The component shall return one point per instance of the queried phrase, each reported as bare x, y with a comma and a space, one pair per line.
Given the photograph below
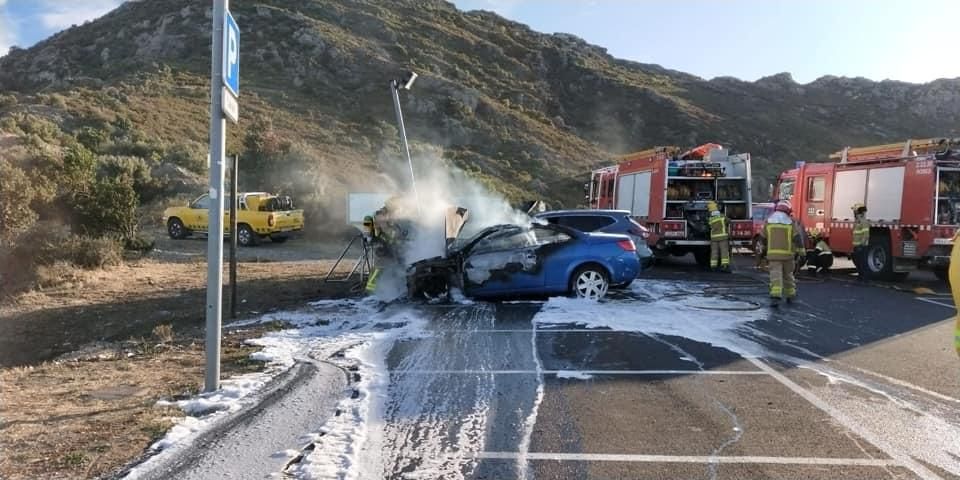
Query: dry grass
163, 333
82, 419
85, 419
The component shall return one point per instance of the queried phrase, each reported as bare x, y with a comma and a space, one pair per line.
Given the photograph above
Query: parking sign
231, 54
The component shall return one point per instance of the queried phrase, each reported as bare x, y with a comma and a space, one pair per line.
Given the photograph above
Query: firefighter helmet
815, 233
712, 206
784, 206
856, 207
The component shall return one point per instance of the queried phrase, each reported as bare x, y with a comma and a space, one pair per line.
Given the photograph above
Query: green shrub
78, 169
16, 196
190, 156
139, 243
8, 101
92, 138
108, 208
89, 252
45, 129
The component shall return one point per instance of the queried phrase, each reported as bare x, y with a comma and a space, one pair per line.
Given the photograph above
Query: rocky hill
523, 112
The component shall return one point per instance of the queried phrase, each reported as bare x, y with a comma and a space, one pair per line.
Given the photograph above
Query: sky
748, 39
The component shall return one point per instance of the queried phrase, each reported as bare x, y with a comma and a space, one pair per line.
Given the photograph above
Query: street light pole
395, 86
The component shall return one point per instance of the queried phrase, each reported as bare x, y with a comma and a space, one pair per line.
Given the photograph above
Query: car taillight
642, 233
271, 220
627, 245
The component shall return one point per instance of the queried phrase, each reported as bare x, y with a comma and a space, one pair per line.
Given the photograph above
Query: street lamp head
407, 81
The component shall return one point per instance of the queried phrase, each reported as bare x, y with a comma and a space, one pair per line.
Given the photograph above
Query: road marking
897, 381
587, 372
610, 457
539, 330
950, 306
902, 459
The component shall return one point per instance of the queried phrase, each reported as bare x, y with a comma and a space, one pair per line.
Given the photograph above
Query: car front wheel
590, 282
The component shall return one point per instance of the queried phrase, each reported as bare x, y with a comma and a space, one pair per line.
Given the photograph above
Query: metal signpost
234, 200
224, 74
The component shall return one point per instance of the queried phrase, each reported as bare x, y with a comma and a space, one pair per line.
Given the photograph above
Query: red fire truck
912, 193
667, 190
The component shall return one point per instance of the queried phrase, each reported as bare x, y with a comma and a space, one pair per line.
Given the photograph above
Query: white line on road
587, 372
540, 330
950, 306
610, 457
902, 459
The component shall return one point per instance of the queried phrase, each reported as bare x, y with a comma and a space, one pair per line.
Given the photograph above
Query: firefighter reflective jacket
782, 236
719, 228
954, 274
822, 248
861, 232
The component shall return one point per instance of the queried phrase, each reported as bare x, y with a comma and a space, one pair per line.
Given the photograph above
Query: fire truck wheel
879, 259
942, 275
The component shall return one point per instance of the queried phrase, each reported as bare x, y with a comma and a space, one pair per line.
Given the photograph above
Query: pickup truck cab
259, 215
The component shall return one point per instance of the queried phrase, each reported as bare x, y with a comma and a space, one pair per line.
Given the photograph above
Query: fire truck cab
912, 193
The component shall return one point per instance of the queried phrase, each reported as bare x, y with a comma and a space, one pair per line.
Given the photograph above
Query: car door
503, 263
197, 217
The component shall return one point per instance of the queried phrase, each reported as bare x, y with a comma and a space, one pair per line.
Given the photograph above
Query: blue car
512, 260
605, 221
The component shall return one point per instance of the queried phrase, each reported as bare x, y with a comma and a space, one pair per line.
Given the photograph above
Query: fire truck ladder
895, 150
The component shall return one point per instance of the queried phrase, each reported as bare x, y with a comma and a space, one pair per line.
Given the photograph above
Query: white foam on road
574, 374
674, 309
280, 349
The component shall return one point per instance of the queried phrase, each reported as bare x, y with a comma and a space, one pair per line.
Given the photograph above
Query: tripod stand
362, 266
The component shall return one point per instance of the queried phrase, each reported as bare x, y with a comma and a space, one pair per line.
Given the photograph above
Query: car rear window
585, 223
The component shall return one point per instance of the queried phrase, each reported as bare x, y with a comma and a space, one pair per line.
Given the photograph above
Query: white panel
625, 192
884, 193
850, 187
641, 194
362, 204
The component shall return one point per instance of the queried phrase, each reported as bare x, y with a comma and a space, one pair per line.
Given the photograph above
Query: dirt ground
83, 364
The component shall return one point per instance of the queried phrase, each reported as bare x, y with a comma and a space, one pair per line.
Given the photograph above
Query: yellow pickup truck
259, 215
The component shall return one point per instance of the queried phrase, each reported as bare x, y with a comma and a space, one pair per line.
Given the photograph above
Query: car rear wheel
590, 281
175, 229
246, 236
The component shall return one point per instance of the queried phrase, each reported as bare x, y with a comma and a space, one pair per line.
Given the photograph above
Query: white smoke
439, 187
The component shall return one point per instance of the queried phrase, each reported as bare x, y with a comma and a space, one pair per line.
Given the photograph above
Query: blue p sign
231, 54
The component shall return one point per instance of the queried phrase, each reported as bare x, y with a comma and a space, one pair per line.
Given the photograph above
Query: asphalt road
687, 374
853, 381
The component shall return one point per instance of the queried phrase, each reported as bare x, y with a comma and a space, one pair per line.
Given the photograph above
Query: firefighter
954, 275
719, 239
384, 231
782, 240
861, 239
820, 259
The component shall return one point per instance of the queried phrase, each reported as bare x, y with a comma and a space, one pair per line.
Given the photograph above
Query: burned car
514, 260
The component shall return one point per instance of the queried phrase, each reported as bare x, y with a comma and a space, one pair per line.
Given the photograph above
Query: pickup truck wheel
246, 236
176, 230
